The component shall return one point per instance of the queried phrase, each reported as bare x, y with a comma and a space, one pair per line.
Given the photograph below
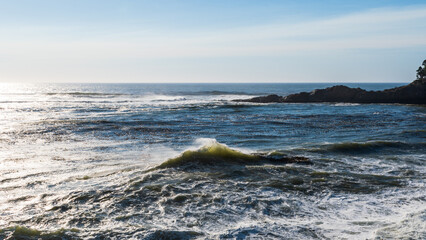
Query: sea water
180, 161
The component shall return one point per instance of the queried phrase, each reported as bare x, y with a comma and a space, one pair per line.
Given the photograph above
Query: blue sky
211, 41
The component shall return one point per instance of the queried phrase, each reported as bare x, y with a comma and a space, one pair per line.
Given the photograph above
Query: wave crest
215, 153
21, 232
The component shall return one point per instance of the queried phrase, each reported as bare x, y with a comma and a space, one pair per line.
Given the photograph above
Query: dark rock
282, 159
333, 94
263, 99
293, 159
413, 93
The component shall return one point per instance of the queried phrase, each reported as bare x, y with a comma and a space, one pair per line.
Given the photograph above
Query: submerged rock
413, 93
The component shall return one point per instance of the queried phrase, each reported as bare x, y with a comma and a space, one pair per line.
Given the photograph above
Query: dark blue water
81, 161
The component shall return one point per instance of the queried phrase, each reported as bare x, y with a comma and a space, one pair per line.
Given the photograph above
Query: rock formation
413, 93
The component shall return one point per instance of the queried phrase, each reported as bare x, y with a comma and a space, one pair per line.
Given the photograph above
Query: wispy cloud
374, 29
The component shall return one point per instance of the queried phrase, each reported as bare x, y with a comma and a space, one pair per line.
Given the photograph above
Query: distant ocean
177, 161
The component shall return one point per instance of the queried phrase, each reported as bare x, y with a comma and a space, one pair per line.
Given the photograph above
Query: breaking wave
215, 153
213, 93
84, 94
21, 232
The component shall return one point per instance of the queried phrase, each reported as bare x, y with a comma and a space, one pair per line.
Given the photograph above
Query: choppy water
180, 161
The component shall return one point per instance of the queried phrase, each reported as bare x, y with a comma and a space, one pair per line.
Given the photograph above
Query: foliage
421, 71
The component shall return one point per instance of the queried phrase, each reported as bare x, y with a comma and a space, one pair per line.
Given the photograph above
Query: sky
164, 41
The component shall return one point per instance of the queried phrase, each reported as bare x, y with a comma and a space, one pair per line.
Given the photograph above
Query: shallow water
150, 161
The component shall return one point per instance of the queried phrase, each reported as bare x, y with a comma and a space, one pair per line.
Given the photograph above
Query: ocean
183, 161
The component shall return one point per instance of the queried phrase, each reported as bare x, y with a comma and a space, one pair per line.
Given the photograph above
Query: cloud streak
374, 29
375, 45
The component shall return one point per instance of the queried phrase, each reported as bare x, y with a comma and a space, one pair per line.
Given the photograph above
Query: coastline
413, 93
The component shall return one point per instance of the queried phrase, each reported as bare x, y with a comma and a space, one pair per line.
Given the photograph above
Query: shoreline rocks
413, 93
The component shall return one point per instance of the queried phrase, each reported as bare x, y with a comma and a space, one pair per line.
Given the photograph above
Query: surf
215, 153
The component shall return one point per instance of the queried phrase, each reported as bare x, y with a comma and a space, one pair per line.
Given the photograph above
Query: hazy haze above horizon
211, 41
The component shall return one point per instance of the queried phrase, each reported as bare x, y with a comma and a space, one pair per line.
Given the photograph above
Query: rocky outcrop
263, 99
413, 93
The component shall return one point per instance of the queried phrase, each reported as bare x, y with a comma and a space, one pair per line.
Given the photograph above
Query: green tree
421, 72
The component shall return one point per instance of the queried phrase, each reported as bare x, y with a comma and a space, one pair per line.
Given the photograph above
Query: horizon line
24, 82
